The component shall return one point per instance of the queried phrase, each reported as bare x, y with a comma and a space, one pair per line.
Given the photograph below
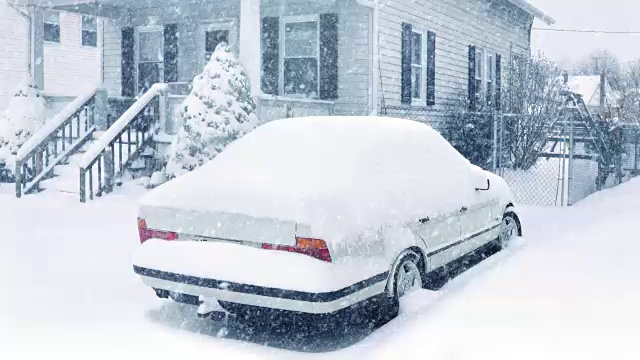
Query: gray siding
15, 55
495, 26
354, 60
354, 41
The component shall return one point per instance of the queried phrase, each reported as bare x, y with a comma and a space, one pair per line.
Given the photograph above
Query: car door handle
464, 209
424, 220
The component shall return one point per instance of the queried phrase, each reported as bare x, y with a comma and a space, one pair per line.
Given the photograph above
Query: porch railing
54, 142
120, 145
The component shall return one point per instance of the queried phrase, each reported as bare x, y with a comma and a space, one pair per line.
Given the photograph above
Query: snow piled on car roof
328, 173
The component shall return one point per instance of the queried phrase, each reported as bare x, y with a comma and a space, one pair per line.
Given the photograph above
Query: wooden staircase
70, 155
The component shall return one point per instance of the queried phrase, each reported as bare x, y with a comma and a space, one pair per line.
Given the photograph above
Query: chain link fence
547, 161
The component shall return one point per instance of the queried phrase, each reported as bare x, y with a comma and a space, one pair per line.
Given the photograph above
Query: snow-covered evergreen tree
25, 114
219, 110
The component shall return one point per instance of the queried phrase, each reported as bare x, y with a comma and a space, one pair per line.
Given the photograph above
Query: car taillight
315, 248
146, 233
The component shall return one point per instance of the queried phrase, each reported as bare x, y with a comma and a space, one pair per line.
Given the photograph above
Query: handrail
55, 124
116, 129
141, 118
38, 156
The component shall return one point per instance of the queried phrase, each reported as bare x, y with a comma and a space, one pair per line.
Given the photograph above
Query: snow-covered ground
569, 289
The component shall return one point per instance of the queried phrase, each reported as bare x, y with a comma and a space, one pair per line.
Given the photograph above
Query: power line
590, 31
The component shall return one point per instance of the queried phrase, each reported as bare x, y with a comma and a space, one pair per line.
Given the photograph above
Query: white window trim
423, 66
44, 21
145, 29
284, 20
229, 24
82, 30
482, 74
490, 72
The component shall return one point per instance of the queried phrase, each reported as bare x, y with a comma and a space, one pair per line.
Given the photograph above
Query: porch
152, 50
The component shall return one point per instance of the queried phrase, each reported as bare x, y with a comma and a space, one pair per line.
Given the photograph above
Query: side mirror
487, 188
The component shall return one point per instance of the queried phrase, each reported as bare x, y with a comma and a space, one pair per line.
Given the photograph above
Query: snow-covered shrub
471, 133
219, 110
535, 93
25, 114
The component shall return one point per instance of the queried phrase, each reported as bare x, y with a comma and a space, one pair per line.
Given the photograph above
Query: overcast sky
611, 15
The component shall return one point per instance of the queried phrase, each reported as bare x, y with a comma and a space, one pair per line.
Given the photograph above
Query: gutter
532, 10
375, 68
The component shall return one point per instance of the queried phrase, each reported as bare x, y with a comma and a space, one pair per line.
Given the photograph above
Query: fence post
563, 151
495, 142
635, 154
571, 153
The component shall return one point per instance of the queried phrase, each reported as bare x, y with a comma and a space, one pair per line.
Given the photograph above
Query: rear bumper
233, 294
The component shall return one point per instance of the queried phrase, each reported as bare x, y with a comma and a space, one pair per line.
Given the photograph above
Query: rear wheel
407, 277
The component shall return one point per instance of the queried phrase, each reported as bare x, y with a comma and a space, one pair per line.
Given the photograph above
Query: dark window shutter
472, 78
171, 53
270, 55
431, 68
498, 98
328, 56
406, 63
128, 63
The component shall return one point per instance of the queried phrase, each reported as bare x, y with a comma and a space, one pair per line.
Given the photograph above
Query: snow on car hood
337, 175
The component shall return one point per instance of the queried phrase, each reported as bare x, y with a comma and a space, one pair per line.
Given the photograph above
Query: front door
476, 221
440, 234
213, 38
150, 58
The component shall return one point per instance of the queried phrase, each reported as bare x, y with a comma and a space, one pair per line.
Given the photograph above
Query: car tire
407, 275
509, 229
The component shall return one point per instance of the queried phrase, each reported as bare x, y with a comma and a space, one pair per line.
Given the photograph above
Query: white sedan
317, 216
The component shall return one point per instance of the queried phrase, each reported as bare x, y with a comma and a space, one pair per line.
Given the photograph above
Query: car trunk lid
212, 225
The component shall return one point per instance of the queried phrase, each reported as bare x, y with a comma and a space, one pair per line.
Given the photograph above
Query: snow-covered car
318, 216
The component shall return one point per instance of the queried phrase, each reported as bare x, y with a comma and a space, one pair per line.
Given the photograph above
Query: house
324, 56
321, 57
71, 51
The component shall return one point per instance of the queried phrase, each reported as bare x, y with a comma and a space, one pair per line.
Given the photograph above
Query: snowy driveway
569, 289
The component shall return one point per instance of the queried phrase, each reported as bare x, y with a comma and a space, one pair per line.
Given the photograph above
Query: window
301, 63
490, 79
52, 26
89, 31
150, 58
213, 38
417, 64
479, 73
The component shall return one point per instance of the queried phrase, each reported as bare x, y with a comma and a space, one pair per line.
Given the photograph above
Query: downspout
531, 34
375, 65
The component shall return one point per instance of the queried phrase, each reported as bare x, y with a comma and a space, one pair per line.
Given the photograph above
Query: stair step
164, 138
138, 164
148, 152
66, 171
61, 183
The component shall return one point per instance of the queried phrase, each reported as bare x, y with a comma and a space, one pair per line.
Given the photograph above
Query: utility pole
603, 91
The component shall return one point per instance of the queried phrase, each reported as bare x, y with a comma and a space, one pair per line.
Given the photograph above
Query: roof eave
537, 13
